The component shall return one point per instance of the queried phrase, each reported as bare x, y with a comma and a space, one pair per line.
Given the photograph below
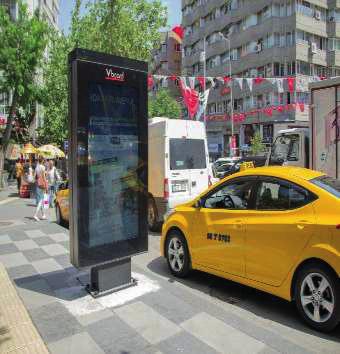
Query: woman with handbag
41, 190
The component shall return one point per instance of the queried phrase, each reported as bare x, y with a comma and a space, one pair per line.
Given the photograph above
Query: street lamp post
231, 94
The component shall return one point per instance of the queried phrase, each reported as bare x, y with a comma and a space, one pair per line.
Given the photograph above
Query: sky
66, 6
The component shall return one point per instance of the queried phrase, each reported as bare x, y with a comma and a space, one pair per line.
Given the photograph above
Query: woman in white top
52, 179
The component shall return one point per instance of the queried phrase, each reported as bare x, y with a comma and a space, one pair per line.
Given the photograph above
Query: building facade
166, 60
262, 38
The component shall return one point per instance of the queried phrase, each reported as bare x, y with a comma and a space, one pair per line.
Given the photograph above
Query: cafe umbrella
50, 151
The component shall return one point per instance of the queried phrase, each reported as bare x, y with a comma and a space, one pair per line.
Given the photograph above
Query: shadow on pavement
67, 284
259, 303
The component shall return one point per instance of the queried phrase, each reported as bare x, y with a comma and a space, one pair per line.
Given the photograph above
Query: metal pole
204, 82
231, 94
231, 99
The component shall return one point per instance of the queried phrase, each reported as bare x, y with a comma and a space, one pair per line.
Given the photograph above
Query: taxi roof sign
247, 165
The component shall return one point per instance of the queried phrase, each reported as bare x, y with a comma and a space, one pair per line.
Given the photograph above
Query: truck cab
291, 148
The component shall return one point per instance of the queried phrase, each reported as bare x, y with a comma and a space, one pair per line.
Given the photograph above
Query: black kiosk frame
107, 166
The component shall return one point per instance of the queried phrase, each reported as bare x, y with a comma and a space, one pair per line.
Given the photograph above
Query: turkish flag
191, 99
291, 82
179, 31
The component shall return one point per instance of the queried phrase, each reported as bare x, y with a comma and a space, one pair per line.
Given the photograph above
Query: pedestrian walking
52, 179
42, 188
19, 172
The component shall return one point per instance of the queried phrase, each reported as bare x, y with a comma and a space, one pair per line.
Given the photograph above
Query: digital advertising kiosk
107, 166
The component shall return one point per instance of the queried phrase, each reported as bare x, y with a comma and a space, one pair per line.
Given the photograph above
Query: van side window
187, 154
235, 195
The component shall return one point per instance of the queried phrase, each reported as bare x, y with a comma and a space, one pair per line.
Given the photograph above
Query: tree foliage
256, 144
127, 28
163, 105
23, 42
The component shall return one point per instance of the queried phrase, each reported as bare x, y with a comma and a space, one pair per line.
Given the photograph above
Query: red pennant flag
150, 82
291, 82
258, 80
280, 109
242, 117
173, 77
201, 80
227, 79
301, 106
269, 111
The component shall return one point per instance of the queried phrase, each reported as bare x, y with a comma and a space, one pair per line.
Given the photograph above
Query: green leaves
256, 144
23, 42
121, 27
163, 105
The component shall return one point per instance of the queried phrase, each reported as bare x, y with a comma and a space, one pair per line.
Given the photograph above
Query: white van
178, 165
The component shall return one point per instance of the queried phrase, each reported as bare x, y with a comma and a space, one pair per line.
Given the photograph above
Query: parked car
273, 228
62, 204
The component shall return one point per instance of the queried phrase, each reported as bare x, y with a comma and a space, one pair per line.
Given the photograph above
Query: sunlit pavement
201, 314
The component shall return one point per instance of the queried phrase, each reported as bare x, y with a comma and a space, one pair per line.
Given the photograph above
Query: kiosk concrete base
110, 277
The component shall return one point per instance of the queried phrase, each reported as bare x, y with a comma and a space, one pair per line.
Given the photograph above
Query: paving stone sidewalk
160, 315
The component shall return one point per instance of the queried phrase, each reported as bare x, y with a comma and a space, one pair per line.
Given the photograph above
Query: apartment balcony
333, 58
310, 24
333, 29
303, 53
333, 4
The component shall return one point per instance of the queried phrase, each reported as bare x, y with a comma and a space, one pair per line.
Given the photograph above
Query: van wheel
177, 254
317, 295
152, 215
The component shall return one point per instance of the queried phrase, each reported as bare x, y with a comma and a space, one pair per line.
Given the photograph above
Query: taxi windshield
329, 184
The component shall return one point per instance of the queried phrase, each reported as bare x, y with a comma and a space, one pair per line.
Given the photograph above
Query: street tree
257, 145
126, 28
23, 41
163, 105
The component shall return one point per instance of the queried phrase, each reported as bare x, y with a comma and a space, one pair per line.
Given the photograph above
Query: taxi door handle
302, 224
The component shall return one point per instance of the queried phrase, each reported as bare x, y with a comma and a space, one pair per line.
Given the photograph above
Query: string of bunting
196, 101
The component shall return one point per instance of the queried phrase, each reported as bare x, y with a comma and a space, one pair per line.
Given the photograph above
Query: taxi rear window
329, 184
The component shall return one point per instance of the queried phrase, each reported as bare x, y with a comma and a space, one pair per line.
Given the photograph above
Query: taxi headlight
169, 213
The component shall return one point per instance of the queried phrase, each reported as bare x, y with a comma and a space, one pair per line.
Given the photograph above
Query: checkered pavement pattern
165, 320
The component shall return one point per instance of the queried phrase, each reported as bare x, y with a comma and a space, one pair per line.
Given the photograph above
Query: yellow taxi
62, 205
276, 229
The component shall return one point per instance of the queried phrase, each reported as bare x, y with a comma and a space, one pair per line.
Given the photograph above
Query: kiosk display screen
113, 162
107, 158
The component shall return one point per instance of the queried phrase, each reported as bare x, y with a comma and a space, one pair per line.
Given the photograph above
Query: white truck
178, 165
316, 147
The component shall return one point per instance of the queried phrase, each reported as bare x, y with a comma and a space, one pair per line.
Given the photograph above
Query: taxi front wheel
177, 254
317, 295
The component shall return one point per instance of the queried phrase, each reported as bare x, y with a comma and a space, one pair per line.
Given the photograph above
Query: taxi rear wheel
59, 218
317, 295
153, 223
177, 254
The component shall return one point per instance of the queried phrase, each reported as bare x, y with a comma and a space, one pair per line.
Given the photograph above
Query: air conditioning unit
314, 48
253, 73
317, 15
258, 48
